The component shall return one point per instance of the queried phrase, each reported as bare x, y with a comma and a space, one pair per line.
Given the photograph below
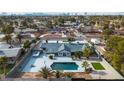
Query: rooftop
5, 50
56, 47
4, 45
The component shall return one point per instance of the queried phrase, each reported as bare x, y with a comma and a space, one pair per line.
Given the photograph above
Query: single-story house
62, 49
26, 30
69, 23
9, 52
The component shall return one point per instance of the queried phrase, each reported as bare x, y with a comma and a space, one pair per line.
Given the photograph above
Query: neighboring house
27, 30
90, 29
80, 25
69, 23
95, 41
9, 52
62, 49
87, 29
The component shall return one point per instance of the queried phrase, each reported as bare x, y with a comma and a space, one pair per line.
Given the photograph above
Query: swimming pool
64, 66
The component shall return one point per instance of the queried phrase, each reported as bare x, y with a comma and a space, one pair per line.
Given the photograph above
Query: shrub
51, 56
69, 75
71, 39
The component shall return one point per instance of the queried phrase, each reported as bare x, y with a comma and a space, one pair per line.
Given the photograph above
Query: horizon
62, 13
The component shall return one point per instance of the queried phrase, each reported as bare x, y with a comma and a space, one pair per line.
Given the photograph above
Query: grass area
98, 66
8, 68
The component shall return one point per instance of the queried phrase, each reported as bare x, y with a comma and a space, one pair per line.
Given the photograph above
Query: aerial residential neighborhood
61, 47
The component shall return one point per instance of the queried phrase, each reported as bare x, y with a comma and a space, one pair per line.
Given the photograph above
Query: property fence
19, 65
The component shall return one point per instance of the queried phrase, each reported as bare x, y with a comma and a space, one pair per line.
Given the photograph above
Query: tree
70, 39
116, 61
87, 52
51, 56
85, 65
16, 23
24, 23
58, 74
122, 23
69, 75
72, 19
107, 33
117, 26
106, 24
120, 48
49, 24
3, 61
19, 37
78, 54
8, 38
112, 43
122, 69
108, 55
26, 44
7, 29
92, 23
61, 21
115, 52
45, 72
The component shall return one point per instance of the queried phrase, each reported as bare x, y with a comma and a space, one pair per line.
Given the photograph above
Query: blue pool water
64, 66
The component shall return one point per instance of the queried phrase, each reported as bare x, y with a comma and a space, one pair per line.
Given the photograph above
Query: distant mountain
58, 13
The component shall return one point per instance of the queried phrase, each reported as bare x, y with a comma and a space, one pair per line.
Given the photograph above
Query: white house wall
61, 53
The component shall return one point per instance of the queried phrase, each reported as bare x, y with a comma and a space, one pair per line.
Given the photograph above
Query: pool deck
36, 63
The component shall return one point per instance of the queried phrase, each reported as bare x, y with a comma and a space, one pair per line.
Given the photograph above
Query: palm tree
19, 37
58, 74
85, 65
87, 52
8, 38
45, 72
69, 75
26, 44
3, 61
7, 29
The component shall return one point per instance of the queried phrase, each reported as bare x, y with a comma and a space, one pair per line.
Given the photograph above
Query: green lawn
98, 66
8, 68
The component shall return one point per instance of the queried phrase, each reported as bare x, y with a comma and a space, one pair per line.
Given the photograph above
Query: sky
61, 6
63, 13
